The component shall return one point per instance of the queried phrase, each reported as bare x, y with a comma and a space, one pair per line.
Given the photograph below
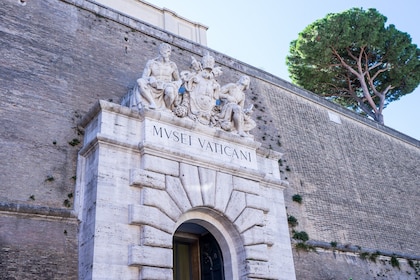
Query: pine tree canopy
355, 60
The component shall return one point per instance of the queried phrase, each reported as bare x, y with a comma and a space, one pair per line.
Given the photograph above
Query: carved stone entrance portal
143, 177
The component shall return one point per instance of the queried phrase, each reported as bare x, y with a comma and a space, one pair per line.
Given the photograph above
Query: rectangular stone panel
254, 235
257, 202
107, 271
150, 256
151, 236
147, 215
246, 185
257, 252
153, 273
259, 270
160, 165
141, 177
199, 145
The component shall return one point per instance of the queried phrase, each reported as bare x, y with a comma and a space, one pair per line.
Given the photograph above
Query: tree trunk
379, 117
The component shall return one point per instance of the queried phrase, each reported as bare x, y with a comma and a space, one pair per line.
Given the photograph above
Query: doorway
197, 255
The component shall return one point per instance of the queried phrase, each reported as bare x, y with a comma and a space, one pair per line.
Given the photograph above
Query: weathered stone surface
208, 185
254, 235
150, 256
154, 273
257, 252
259, 270
177, 192
244, 185
257, 202
160, 165
236, 205
346, 192
161, 200
147, 215
42, 248
250, 217
190, 180
154, 237
223, 190
140, 177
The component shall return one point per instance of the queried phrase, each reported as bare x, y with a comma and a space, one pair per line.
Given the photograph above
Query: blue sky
259, 33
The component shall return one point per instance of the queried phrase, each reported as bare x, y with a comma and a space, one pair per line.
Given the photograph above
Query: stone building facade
74, 187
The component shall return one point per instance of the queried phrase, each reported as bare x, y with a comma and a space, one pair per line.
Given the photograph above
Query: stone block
246, 185
259, 270
223, 190
107, 271
257, 252
112, 254
254, 235
257, 202
155, 273
237, 204
250, 217
160, 165
141, 177
150, 256
120, 127
154, 237
116, 233
191, 183
208, 185
161, 200
152, 216
176, 191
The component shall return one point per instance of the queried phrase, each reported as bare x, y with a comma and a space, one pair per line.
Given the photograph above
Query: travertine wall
359, 181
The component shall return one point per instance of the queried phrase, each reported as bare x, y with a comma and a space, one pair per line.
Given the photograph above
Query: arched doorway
196, 255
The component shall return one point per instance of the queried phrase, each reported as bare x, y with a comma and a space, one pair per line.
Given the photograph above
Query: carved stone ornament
193, 93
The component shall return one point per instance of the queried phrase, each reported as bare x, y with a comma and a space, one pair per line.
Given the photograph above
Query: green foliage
292, 221
74, 142
395, 262
364, 255
67, 203
351, 58
333, 244
302, 246
297, 198
374, 256
300, 235
411, 263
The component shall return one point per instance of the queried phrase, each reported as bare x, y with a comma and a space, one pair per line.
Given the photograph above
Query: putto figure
158, 87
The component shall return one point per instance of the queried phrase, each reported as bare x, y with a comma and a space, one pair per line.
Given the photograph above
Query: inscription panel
199, 145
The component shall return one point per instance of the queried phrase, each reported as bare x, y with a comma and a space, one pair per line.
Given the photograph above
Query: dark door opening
197, 255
